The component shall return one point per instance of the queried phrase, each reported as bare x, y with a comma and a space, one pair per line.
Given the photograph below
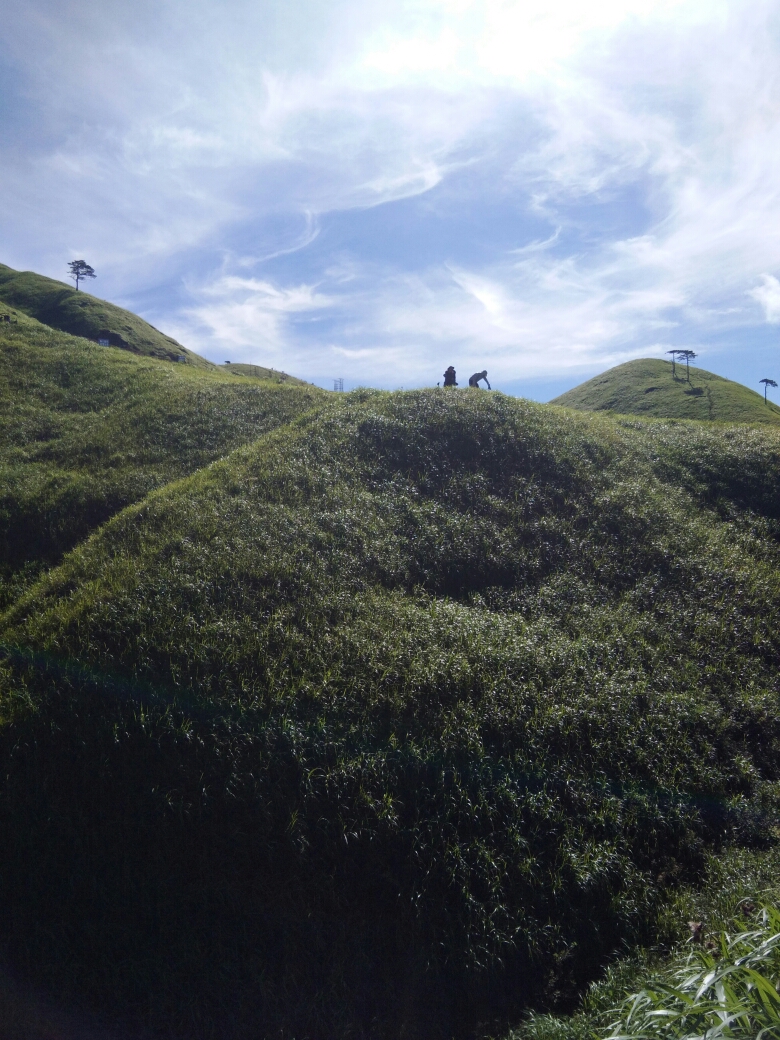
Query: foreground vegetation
657, 388
724, 911
726, 991
84, 431
405, 719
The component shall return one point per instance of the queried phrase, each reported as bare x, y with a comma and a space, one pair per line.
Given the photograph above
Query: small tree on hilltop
80, 269
767, 383
689, 356
674, 354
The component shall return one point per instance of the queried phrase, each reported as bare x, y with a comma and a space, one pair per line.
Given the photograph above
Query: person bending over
474, 380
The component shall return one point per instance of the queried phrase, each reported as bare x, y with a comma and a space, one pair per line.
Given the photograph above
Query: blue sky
376, 191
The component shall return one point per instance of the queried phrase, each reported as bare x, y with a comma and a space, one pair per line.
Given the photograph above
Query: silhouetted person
474, 380
449, 377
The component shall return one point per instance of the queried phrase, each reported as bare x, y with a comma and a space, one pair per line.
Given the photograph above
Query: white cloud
768, 295
634, 144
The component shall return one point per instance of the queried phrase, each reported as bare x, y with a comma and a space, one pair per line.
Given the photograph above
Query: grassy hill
403, 719
62, 307
84, 431
649, 388
270, 375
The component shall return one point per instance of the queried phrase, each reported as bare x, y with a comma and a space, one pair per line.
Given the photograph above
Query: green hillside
84, 431
270, 375
62, 307
648, 387
397, 722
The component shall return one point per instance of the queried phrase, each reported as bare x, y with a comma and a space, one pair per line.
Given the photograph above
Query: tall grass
728, 991
408, 717
86, 430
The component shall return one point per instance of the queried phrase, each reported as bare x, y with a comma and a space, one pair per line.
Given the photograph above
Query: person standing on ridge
449, 377
474, 380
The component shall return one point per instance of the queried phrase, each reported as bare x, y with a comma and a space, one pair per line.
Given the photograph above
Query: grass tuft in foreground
728, 991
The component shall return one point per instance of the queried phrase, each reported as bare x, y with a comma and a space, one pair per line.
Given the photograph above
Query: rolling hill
62, 307
270, 375
649, 388
84, 431
399, 721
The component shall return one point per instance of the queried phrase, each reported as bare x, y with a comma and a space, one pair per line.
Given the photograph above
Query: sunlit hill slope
85, 430
650, 387
62, 307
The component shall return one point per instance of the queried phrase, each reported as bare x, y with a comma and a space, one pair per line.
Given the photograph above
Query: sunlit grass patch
726, 990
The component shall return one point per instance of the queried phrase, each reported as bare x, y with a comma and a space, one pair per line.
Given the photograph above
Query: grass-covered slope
62, 307
270, 375
398, 721
649, 388
84, 431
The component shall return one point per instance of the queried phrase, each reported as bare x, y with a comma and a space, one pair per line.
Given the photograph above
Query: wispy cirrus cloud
538, 187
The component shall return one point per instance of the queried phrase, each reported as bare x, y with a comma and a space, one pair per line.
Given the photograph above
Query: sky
375, 191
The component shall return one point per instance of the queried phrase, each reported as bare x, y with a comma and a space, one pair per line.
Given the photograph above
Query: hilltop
84, 431
270, 375
649, 388
405, 718
62, 307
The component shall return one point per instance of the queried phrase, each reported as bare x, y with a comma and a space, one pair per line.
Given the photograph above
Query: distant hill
62, 307
270, 375
84, 431
648, 387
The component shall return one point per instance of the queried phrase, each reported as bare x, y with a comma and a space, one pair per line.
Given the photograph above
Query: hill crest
653, 388
67, 309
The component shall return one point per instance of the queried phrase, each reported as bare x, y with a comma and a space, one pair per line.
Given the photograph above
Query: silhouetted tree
767, 383
688, 356
80, 269
674, 354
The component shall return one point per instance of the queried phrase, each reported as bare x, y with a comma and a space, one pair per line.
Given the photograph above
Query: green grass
62, 307
409, 717
649, 388
84, 431
723, 989
737, 882
728, 991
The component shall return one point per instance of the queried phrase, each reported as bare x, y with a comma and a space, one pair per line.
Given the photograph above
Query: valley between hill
85, 430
